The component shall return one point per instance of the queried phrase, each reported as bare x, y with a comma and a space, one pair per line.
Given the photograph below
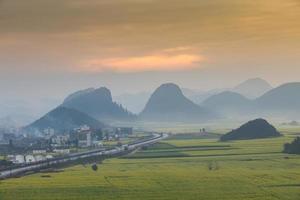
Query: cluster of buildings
84, 136
30, 158
28, 148
111, 134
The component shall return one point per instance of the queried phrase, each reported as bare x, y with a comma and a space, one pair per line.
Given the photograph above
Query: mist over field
50, 49
149, 99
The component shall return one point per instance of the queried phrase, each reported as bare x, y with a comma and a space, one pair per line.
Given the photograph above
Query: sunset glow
193, 42
150, 99
145, 63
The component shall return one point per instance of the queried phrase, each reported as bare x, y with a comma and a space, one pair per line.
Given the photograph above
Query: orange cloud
178, 49
145, 63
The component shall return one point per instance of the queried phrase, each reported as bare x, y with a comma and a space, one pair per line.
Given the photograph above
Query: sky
50, 48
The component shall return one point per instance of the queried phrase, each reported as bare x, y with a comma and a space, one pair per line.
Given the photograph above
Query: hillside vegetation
255, 129
180, 169
61, 119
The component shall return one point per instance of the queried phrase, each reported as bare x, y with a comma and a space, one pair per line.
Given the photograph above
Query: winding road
76, 156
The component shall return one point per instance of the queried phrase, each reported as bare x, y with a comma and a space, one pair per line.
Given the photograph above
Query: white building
41, 151
11, 158
16, 159
89, 139
62, 151
60, 140
97, 143
39, 158
49, 156
29, 159
85, 138
19, 159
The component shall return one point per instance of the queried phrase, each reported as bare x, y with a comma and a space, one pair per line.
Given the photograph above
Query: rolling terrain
281, 102
61, 119
177, 168
252, 88
99, 104
168, 103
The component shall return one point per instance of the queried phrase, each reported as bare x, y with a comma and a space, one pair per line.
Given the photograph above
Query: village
24, 148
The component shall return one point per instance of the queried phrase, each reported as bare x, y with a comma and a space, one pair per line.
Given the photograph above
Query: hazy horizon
149, 99
51, 48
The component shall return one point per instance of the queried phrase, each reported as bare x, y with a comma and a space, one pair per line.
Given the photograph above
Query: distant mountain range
98, 103
253, 88
282, 101
283, 98
84, 107
250, 89
228, 103
63, 119
198, 96
168, 103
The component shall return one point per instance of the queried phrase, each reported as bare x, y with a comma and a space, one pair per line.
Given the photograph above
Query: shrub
292, 148
94, 167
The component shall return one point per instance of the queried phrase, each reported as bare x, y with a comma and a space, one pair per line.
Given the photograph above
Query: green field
177, 168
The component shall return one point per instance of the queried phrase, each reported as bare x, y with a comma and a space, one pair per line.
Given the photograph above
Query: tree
99, 134
293, 147
94, 167
11, 145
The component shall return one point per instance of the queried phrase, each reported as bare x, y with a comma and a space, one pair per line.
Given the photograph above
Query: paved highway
72, 157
